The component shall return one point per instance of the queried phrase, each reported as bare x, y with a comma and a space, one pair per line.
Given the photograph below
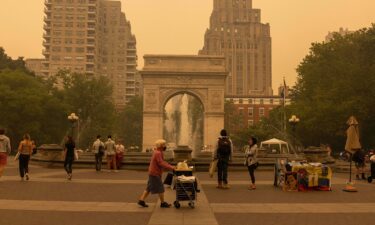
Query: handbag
212, 169
168, 179
17, 156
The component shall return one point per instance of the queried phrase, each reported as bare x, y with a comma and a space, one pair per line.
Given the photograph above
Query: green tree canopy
28, 107
130, 123
336, 80
90, 98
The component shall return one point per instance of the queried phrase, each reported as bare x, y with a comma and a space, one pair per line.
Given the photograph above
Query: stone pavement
103, 198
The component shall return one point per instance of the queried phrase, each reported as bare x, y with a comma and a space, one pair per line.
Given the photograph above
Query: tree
90, 98
7, 62
27, 107
336, 80
130, 122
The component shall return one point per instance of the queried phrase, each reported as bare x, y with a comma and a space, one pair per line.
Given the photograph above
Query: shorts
155, 185
3, 158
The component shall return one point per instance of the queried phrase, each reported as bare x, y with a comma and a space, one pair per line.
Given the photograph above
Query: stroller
372, 170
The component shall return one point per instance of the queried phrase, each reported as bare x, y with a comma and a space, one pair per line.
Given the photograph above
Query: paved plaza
109, 198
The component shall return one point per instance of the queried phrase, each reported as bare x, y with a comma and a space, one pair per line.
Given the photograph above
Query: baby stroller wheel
176, 204
191, 204
369, 179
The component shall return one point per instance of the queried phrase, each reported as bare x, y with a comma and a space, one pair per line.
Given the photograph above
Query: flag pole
284, 98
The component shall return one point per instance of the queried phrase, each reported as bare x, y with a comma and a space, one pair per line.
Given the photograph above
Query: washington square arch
166, 76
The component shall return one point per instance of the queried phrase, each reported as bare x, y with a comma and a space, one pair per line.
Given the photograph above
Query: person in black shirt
69, 156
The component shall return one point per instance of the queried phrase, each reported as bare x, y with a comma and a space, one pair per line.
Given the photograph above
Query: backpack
224, 147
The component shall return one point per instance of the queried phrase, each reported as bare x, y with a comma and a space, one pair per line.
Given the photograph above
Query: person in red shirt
155, 171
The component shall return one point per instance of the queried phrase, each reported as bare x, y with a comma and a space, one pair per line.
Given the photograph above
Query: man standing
155, 171
223, 153
4, 150
110, 151
98, 148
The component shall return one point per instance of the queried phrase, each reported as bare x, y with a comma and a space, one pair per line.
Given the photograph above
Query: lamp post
293, 120
73, 118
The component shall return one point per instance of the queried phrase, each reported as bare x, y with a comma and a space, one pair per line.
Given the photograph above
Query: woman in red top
155, 171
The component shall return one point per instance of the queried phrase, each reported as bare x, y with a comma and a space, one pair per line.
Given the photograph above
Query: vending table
307, 176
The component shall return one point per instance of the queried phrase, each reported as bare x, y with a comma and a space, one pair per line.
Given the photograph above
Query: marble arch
167, 75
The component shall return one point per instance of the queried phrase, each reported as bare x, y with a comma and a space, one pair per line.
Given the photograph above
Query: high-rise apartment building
91, 37
237, 33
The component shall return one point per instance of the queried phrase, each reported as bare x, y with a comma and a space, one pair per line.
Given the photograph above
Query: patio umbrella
352, 136
352, 145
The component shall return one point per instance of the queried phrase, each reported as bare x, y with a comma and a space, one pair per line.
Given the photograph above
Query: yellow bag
212, 169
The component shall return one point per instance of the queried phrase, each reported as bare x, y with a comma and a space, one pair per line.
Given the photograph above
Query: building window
240, 111
80, 50
250, 111
56, 41
240, 101
261, 112
56, 49
261, 101
250, 123
80, 41
68, 41
68, 49
250, 101
271, 101
68, 33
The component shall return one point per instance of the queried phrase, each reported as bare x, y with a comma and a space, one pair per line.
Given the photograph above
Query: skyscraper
91, 37
237, 33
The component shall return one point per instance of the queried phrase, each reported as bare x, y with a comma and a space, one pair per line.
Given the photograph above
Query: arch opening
183, 121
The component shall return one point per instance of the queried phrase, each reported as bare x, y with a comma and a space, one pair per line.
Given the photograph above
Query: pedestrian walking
110, 151
251, 161
5, 150
69, 156
120, 149
223, 155
25, 149
155, 171
98, 148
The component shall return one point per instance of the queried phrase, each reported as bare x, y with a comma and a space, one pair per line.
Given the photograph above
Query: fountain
183, 125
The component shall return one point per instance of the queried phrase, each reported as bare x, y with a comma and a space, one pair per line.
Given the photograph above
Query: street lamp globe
73, 117
293, 119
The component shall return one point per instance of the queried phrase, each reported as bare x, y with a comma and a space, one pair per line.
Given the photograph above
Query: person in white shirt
98, 148
110, 151
251, 161
5, 149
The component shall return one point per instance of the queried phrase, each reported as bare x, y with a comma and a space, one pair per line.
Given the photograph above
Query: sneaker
165, 205
27, 177
142, 203
70, 176
226, 186
219, 186
22, 179
116, 171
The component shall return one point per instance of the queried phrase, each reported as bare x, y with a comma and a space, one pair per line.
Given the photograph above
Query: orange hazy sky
178, 26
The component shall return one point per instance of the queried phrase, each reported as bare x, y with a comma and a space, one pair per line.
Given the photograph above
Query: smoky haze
178, 26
